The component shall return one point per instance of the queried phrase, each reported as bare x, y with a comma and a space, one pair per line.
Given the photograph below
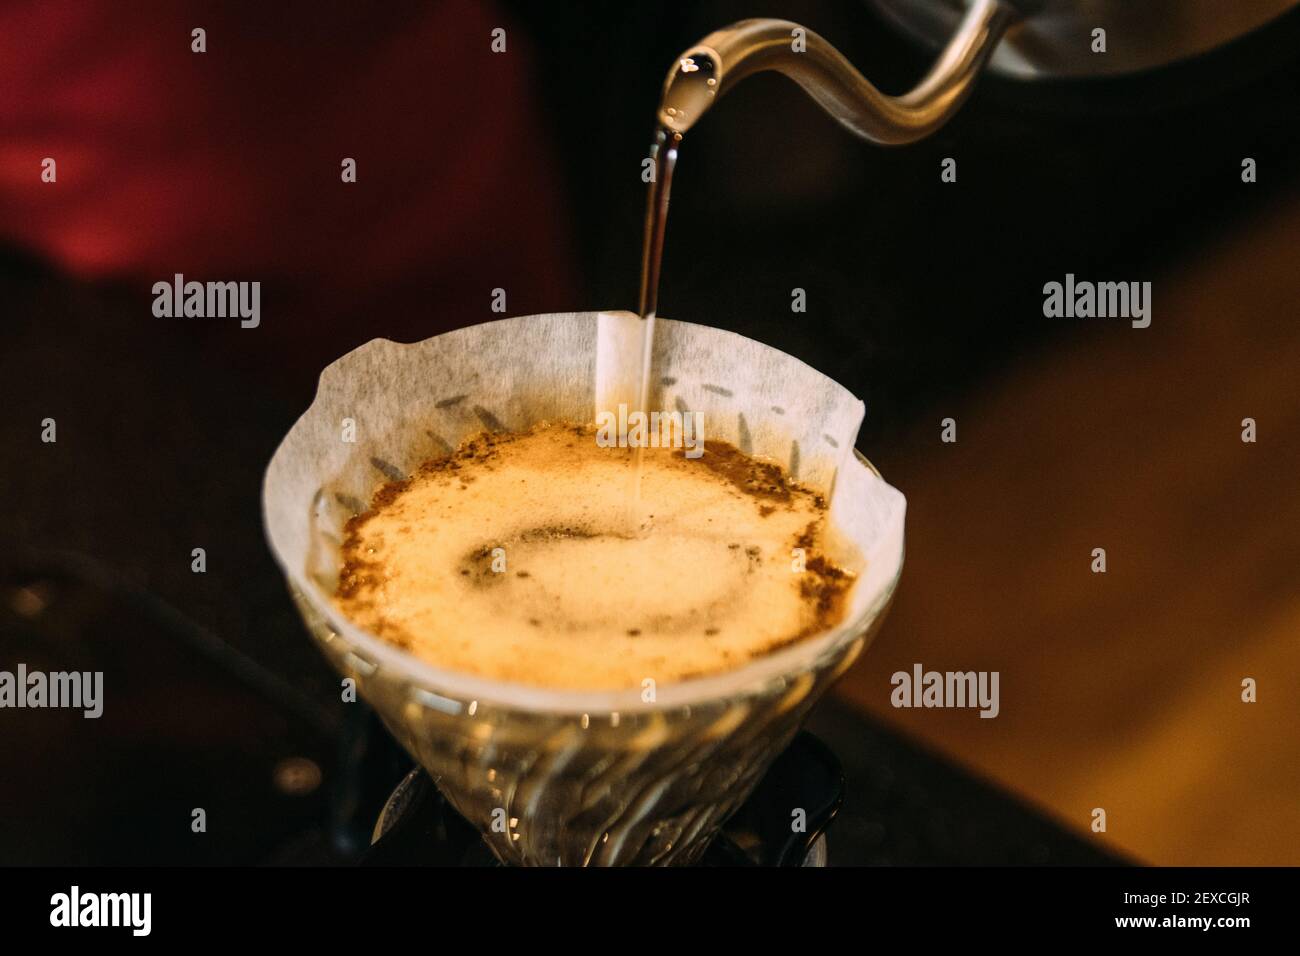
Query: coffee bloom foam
510, 559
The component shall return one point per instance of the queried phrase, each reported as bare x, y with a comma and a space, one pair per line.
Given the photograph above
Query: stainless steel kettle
1025, 39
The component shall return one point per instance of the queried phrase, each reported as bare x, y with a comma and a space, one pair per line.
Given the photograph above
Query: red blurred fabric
225, 165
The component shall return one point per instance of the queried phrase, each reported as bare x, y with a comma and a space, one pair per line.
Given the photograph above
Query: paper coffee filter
384, 408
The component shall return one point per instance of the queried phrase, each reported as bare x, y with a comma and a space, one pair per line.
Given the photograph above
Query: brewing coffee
510, 559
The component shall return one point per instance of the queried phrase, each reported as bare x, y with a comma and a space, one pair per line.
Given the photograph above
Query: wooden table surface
1123, 690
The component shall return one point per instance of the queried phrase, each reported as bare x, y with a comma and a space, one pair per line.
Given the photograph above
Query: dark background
919, 293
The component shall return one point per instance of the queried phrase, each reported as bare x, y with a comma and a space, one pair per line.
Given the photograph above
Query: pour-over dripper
553, 776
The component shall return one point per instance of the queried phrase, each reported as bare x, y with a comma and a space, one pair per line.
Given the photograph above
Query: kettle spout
722, 59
